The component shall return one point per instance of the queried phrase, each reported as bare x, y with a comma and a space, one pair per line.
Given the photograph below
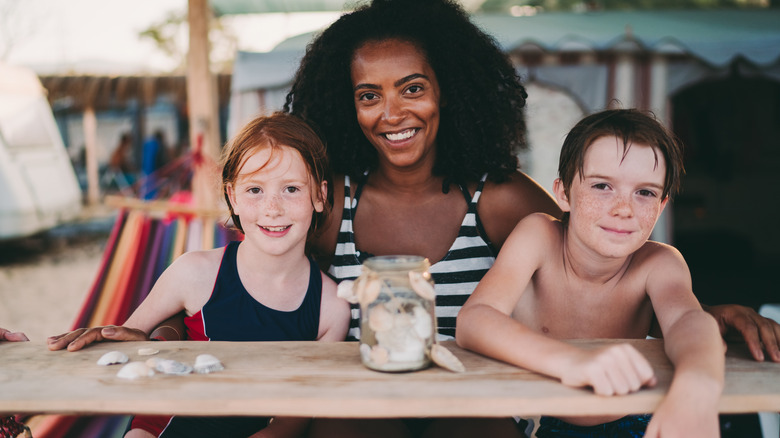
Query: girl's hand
80, 338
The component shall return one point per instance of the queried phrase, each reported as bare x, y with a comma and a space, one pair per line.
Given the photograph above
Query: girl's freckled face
396, 96
274, 199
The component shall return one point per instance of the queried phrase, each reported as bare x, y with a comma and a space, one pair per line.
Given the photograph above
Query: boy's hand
690, 412
78, 339
760, 334
612, 370
7, 335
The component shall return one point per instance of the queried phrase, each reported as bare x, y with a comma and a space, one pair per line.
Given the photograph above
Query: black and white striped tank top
455, 276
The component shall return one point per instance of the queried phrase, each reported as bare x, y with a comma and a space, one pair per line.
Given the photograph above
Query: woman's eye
413, 89
368, 96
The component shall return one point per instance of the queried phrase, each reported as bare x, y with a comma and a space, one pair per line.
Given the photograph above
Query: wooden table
328, 380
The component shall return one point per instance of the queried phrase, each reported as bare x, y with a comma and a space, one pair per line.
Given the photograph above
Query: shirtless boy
594, 274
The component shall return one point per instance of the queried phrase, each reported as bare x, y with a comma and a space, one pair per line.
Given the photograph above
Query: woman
420, 109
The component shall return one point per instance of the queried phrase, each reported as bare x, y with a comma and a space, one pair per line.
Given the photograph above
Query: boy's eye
600, 186
648, 193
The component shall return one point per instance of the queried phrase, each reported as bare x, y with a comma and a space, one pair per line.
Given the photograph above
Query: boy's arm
693, 343
617, 369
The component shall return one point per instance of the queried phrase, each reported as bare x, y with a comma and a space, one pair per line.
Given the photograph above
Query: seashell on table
112, 358
206, 363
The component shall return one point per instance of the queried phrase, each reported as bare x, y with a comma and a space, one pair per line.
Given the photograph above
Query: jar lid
396, 263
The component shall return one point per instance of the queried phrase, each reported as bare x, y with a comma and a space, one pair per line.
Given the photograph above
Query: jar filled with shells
397, 322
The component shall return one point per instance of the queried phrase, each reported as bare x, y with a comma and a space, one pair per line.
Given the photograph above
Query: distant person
121, 167
594, 274
121, 159
264, 288
154, 156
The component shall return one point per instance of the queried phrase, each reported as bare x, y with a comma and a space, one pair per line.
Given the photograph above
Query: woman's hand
759, 333
80, 338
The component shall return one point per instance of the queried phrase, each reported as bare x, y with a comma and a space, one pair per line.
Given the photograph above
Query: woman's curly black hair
481, 124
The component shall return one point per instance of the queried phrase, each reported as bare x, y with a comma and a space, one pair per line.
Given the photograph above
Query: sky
101, 36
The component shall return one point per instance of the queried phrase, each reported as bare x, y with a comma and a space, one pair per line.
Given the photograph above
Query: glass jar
397, 320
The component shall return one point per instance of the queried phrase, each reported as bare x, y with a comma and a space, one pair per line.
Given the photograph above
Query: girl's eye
254, 190
291, 189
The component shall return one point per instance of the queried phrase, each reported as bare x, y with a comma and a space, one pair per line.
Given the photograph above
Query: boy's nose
623, 207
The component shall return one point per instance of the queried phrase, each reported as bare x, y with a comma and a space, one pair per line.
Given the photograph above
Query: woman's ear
560, 195
319, 201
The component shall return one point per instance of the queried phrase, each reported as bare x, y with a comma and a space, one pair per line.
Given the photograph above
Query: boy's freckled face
617, 201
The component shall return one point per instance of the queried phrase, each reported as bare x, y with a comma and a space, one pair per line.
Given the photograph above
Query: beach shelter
574, 64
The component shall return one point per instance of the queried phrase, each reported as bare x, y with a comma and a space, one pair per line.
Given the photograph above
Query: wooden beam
202, 106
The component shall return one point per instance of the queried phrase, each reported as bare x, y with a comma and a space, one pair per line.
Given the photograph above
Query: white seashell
423, 323
378, 355
423, 287
113, 357
147, 351
169, 366
369, 290
365, 352
445, 359
346, 290
206, 363
152, 362
380, 319
135, 370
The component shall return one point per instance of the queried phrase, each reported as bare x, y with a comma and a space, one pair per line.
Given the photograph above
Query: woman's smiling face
397, 99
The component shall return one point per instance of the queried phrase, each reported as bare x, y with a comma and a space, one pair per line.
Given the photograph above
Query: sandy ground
44, 279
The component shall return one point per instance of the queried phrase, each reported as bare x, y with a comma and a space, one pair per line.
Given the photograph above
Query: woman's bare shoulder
503, 204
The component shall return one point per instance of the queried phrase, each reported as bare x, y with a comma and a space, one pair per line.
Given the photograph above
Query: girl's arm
185, 285
334, 313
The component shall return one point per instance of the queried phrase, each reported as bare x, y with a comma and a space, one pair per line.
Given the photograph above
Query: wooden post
89, 124
202, 105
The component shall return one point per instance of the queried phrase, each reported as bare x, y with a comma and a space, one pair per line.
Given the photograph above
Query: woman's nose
393, 110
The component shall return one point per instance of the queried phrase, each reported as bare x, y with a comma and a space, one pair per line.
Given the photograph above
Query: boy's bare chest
566, 308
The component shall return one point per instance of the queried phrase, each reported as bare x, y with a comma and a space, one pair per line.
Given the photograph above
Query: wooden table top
328, 380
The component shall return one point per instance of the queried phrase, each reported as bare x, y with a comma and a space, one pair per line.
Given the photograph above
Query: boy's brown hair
278, 129
630, 126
